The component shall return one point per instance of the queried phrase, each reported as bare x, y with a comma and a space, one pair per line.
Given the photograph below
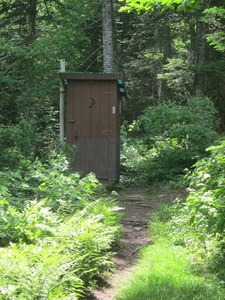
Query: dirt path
137, 206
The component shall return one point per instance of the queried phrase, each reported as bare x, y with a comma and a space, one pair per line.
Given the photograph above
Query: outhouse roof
96, 76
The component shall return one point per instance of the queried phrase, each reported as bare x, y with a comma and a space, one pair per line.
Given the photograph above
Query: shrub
25, 141
32, 272
33, 222
52, 181
191, 125
199, 222
63, 260
178, 135
206, 200
133, 152
56, 232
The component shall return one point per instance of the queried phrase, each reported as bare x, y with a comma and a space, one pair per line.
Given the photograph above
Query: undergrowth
164, 273
166, 140
169, 270
57, 231
186, 260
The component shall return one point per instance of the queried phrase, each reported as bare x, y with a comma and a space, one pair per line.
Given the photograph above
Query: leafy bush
56, 227
35, 193
89, 235
133, 152
52, 181
197, 223
26, 140
167, 160
33, 222
177, 136
15, 144
189, 124
59, 264
32, 272
206, 201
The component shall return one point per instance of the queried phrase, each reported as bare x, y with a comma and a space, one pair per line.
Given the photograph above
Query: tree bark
200, 51
167, 53
32, 12
107, 37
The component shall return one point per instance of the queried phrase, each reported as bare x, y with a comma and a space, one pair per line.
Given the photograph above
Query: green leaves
40, 272
214, 17
55, 229
146, 5
206, 202
65, 258
33, 222
174, 137
179, 133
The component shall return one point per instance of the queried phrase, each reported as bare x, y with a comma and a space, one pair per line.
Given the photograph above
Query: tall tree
32, 12
196, 68
200, 52
107, 36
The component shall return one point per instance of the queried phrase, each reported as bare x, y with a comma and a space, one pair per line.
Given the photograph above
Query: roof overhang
96, 76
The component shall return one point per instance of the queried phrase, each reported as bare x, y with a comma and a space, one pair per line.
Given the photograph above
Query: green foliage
178, 73
32, 272
33, 222
26, 140
132, 151
15, 145
178, 136
206, 201
27, 191
55, 227
65, 258
173, 138
89, 236
49, 180
197, 223
164, 272
174, 36
166, 140
214, 16
190, 125
146, 5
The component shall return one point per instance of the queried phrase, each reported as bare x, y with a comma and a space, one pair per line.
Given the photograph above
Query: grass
164, 271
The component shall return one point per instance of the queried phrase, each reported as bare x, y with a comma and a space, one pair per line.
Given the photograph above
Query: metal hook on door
75, 136
92, 103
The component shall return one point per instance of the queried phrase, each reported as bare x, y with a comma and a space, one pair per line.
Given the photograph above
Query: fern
62, 239
60, 264
37, 273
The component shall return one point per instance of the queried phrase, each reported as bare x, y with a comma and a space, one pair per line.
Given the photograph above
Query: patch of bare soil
137, 206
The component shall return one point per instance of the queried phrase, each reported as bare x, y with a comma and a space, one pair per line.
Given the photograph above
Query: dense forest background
57, 230
166, 56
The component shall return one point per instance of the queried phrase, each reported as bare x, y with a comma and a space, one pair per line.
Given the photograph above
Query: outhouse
93, 119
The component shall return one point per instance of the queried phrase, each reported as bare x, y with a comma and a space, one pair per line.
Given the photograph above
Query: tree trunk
200, 54
107, 37
32, 12
167, 53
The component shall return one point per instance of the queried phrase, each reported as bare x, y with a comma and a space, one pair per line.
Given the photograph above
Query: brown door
92, 125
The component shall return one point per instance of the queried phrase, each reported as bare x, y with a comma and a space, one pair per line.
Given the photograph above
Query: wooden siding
93, 126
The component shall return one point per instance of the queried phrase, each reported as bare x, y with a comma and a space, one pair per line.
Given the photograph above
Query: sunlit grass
164, 271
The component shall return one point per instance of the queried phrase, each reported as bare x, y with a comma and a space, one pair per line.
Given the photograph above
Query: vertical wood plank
94, 127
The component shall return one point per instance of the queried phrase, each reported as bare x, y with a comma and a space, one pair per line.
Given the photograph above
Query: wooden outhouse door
93, 126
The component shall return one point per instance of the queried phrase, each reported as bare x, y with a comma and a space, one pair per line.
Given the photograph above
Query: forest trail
137, 204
